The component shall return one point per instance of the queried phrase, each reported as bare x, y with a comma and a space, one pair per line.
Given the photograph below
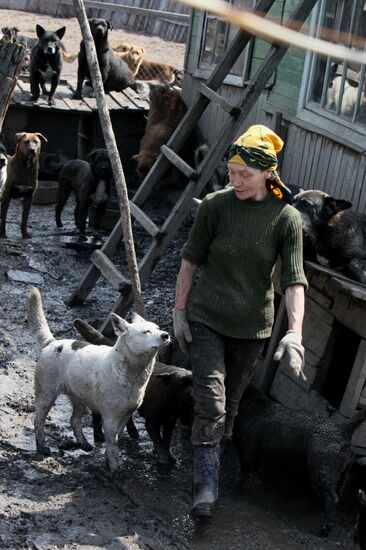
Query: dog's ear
142, 50
61, 32
332, 206
4, 30
91, 157
120, 326
136, 318
40, 31
109, 25
41, 136
20, 136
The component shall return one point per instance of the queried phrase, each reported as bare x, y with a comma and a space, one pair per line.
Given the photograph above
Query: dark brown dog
337, 233
166, 111
22, 177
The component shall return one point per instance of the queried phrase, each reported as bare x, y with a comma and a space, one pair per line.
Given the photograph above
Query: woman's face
248, 182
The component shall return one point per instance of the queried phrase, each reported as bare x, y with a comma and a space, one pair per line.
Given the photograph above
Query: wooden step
179, 163
109, 270
222, 102
144, 220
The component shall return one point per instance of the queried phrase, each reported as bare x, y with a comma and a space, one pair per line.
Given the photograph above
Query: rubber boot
206, 466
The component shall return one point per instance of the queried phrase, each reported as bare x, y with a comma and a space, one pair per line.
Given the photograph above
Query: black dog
168, 398
46, 62
360, 528
91, 181
116, 75
9, 34
265, 429
337, 234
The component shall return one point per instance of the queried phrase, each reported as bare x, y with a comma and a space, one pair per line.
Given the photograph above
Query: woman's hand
292, 351
182, 331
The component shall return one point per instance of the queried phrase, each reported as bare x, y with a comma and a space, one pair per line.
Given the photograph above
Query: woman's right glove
182, 331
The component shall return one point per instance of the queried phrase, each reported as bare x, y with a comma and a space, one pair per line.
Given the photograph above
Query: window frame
205, 70
313, 112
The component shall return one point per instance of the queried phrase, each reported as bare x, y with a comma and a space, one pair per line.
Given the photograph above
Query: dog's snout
165, 336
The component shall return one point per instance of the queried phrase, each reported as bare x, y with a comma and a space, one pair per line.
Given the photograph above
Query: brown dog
133, 57
152, 70
22, 177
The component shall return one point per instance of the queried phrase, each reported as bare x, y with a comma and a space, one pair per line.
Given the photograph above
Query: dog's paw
34, 98
86, 447
51, 102
2, 235
26, 235
43, 450
77, 95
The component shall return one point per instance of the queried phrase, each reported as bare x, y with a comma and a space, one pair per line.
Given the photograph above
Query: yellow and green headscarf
258, 148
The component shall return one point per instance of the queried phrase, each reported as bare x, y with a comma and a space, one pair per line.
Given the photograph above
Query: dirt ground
67, 501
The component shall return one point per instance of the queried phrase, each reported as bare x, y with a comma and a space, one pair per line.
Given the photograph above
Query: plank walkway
127, 99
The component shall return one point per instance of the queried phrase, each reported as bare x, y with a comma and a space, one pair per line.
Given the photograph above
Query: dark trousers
222, 368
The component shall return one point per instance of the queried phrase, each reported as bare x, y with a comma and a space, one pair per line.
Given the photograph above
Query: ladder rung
109, 270
179, 163
144, 220
216, 98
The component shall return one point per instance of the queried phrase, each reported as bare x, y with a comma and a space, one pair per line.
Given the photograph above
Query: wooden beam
11, 58
144, 220
219, 100
109, 270
179, 163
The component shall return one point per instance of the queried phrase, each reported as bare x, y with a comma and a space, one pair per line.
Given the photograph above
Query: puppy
337, 233
9, 35
360, 528
22, 177
168, 398
116, 75
108, 381
132, 57
3, 163
46, 62
267, 429
91, 181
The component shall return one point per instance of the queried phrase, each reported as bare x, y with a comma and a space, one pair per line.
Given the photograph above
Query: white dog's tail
36, 319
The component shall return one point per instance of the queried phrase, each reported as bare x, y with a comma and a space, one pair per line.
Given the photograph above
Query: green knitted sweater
237, 244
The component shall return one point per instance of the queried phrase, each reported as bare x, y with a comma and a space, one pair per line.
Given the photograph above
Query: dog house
72, 126
334, 337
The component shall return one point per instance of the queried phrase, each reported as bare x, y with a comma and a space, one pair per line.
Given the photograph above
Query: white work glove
291, 349
182, 331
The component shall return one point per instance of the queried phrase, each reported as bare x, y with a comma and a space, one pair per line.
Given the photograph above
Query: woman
223, 320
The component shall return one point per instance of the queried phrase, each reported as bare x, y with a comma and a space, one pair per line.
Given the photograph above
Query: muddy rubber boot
206, 466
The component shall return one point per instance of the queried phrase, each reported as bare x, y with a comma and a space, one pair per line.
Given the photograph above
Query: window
217, 35
338, 88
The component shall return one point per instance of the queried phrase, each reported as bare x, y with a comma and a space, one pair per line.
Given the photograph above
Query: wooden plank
109, 270
219, 100
326, 152
356, 382
144, 220
135, 99
122, 100
354, 290
179, 163
338, 278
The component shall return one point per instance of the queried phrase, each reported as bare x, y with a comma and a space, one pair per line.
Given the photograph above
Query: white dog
3, 164
349, 96
107, 380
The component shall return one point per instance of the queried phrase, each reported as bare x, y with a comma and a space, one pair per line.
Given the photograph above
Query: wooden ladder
101, 263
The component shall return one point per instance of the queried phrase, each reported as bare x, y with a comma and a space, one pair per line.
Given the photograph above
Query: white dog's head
139, 337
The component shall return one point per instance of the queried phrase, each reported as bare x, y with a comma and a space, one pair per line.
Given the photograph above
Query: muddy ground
67, 501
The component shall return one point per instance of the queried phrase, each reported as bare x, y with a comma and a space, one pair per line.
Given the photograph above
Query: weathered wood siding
168, 30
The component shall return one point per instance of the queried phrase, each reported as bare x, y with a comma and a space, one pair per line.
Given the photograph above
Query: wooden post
11, 58
111, 145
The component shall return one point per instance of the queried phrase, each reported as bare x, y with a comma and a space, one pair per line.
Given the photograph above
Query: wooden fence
164, 18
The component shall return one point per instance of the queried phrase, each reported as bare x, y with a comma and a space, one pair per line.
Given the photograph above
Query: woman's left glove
293, 351
182, 331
